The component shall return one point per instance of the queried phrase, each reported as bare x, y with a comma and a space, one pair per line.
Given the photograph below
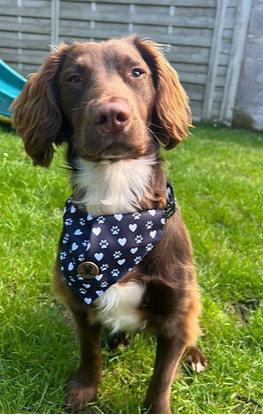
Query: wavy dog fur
116, 104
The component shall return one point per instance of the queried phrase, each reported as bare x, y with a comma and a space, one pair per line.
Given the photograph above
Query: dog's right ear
37, 117
171, 115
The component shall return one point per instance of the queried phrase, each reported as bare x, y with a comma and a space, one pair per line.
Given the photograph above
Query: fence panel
198, 34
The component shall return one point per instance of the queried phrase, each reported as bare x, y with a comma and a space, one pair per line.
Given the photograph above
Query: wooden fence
204, 38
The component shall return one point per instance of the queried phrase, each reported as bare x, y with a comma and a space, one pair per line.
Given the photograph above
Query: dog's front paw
78, 395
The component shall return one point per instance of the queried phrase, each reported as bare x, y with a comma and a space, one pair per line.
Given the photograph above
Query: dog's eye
137, 72
74, 79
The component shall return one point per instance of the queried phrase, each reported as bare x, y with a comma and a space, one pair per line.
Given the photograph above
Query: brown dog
115, 104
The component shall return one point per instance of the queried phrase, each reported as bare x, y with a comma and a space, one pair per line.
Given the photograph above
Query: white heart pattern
118, 216
98, 256
152, 212
153, 234
98, 277
96, 231
134, 250
74, 246
122, 241
133, 227
78, 232
121, 261
99, 292
88, 300
86, 285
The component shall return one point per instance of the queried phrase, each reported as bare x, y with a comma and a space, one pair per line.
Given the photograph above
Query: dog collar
98, 251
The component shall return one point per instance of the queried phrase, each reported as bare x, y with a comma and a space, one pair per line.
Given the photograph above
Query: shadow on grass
5, 125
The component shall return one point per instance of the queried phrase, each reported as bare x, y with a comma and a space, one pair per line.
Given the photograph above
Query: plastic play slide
11, 84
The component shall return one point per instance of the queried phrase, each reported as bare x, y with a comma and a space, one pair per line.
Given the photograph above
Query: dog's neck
106, 187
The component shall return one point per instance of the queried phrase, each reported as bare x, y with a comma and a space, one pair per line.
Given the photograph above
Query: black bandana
98, 251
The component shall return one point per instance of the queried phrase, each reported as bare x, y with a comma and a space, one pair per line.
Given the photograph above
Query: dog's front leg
168, 354
83, 384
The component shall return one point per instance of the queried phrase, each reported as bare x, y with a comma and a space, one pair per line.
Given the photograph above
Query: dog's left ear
171, 114
37, 117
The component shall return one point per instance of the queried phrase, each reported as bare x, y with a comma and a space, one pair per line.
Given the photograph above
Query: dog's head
108, 101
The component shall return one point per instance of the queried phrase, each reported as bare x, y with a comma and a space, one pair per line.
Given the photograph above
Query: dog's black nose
111, 117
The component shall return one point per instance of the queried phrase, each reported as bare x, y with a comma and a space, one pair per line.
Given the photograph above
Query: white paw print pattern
149, 247
137, 260
63, 255
85, 243
104, 267
100, 219
117, 254
115, 272
65, 239
68, 222
138, 239
104, 244
149, 224
115, 230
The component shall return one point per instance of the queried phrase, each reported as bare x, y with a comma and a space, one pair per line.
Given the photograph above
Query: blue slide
11, 84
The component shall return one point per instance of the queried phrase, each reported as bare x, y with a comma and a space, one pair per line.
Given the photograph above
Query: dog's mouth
112, 152
119, 152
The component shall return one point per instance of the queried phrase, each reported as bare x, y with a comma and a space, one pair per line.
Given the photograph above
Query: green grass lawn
218, 179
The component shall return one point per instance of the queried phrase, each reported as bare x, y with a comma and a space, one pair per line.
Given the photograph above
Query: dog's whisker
80, 107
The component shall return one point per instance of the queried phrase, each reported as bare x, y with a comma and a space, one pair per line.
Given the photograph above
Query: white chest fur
108, 188
118, 308
112, 187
